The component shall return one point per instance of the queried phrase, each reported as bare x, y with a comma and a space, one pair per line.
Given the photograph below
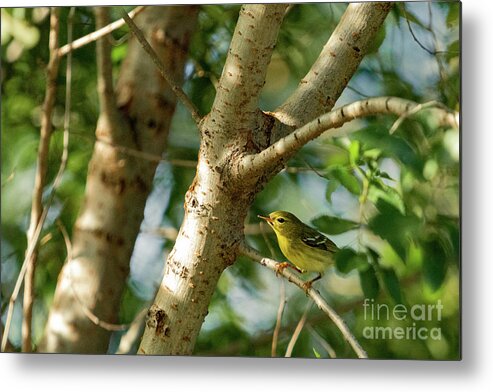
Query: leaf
383, 174
331, 187
334, 225
347, 260
346, 178
317, 355
394, 226
392, 284
434, 263
453, 15
354, 151
369, 282
394, 146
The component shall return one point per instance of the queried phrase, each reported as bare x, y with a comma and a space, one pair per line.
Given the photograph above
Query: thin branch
40, 179
286, 147
280, 312
414, 110
105, 67
32, 245
431, 52
327, 347
95, 35
311, 292
282, 292
133, 334
297, 330
180, 94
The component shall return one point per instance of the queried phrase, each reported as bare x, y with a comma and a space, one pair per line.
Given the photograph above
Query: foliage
390, 201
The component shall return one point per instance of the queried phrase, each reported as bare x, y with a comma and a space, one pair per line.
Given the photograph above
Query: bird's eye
281, 220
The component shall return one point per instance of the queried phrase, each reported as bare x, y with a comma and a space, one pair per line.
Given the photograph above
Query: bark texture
118, 183
215, 206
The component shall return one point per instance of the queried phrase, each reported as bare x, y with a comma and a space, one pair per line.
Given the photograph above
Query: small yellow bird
305, 247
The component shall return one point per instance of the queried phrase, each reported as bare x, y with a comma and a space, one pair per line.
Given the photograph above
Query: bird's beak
266, 218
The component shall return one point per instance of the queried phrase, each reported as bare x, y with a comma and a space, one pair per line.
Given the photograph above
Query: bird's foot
308, 285
280, 267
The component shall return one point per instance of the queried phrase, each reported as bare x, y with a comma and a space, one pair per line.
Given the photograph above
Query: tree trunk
233, 134
131, 126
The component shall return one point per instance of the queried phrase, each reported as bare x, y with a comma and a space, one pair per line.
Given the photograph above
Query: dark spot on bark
356, 49
151, 123
387, 104
158, 319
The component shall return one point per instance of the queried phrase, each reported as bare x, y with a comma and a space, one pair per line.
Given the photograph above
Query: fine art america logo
417, 313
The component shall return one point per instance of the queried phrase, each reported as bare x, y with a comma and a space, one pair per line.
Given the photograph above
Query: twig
412, 111
133, 334
87, 312
164, 72
282, 295
105, 67
311, 292
431, 52
327, 347
56, 183
91, 37
297, 330
40, 179
280, 312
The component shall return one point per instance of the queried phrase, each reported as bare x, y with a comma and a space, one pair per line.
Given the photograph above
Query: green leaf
346, 178
434, 263
392, 284
394, 226
334, 225
317, 355
331, 187
369, 282
383, 174
394, 146
347, 260
354, 151
453, 50
453, 15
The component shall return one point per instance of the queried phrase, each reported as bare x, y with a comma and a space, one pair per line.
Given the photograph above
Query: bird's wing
316, 240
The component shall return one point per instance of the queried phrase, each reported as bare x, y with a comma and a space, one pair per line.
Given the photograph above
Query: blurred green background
391, 200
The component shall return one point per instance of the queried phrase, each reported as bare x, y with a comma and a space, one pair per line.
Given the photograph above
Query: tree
242, 149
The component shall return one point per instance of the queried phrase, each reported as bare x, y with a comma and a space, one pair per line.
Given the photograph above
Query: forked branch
284, 148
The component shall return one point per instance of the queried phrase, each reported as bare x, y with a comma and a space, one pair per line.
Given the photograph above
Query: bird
306, 248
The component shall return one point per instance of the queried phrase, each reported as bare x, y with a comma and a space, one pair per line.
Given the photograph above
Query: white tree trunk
219, 198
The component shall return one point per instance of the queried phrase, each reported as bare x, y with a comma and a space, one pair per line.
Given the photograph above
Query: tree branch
40, 179
177, 90
284, 148
95, 35
243, 76
312, 293
323, 84
105, 67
